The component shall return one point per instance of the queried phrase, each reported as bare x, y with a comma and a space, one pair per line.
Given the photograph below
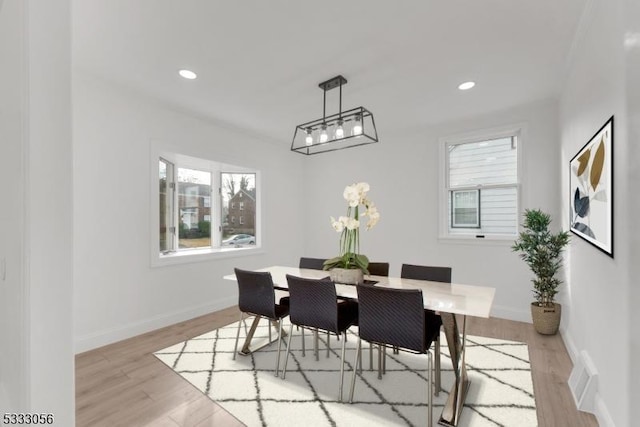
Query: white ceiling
259, 62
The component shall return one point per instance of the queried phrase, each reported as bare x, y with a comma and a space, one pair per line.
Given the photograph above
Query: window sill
472, 240
201, 255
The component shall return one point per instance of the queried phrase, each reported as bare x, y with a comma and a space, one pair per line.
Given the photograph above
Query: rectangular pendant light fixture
345, 129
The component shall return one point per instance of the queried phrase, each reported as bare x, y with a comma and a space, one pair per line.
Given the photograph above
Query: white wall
37, 363
117, 293
632, 62
598, 319
403, 173
13, 387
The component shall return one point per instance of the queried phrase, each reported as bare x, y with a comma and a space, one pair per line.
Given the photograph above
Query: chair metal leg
353, 375
269, 327
429, 391
438, 383
344, 342
279, 345
304, 353
371, 356
315, 344
328, 346
286, 359
384, 359
379, 361
235, 348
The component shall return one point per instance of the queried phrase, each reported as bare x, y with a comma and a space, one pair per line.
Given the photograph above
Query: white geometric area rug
501, 391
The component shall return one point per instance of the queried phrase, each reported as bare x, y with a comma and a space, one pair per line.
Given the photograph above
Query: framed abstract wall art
591, 190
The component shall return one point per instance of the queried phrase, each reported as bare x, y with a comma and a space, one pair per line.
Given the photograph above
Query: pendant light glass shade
345, 129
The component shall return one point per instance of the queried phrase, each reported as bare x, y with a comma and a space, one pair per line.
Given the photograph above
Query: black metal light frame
347, 119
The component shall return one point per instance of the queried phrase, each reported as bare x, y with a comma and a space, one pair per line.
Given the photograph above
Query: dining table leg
456, 341
246, 350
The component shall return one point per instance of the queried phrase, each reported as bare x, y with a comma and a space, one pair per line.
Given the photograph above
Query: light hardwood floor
123, 384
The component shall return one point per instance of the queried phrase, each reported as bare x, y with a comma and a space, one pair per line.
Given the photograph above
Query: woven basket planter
546, 320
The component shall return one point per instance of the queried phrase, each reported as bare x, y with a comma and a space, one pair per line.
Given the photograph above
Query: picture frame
591, 190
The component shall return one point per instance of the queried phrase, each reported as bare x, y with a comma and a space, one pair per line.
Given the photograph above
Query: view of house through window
238, 202
190, 218
482, 187
194, 193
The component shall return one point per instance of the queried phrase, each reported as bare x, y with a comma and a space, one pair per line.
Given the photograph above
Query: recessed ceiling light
466, 85
188, 74
631, 40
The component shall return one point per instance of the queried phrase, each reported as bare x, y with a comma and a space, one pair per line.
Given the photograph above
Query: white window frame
160, 149
520, 132
453, 208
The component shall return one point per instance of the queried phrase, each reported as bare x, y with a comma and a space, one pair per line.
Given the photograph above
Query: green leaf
332, 263
362, 262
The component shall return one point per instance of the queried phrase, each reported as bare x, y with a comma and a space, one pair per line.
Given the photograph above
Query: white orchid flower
351, 195
337, 225
362, 188
352, 224
374, 217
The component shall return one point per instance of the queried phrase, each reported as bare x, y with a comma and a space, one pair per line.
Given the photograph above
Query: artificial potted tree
542, 251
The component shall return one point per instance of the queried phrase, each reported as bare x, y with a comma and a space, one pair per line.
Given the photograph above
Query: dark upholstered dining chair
314, 304
425, 272
312, 263
396, 317
378, 269
434, 274
257, 297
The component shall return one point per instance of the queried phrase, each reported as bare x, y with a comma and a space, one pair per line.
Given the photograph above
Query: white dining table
454, 302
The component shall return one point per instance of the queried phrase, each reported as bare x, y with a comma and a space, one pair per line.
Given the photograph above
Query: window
239, 185
191, 221
481, 191
167, 186
465, 209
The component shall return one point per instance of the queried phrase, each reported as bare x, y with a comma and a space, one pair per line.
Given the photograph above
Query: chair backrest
378, 268
424, 272
392, 316
312, 263
313, 303
256, 294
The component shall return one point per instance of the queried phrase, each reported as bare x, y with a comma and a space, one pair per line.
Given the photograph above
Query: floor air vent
583, 383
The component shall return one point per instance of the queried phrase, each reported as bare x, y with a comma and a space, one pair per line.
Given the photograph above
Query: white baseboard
602, 413
569, 344
600, 410
109, 336
509, 313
